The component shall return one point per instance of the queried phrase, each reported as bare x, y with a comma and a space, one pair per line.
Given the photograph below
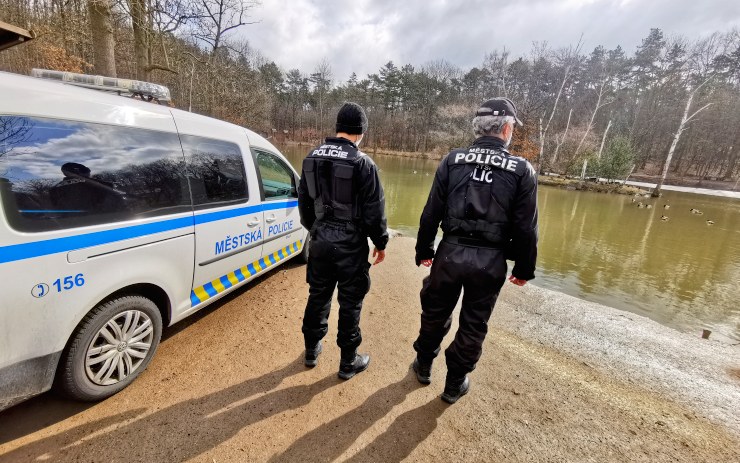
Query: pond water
682, 272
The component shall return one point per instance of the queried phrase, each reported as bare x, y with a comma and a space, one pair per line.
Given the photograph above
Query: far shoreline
630, 187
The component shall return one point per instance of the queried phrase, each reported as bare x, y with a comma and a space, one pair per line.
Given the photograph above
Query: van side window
216, 171
57, 174
278, 181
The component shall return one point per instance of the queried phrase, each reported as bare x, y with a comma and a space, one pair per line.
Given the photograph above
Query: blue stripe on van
210, 289
68, 243
23, 251
221, 215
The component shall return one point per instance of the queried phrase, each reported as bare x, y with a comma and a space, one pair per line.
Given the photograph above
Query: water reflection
603, 248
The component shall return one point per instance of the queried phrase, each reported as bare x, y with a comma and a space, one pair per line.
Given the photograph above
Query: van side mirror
294, 189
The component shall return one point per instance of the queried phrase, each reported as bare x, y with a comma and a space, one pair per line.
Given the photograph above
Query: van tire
76, 381
303, 256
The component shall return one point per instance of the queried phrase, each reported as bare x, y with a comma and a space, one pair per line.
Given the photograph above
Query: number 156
69, 282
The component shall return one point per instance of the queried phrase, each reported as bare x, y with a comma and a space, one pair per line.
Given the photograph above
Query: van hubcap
119, 348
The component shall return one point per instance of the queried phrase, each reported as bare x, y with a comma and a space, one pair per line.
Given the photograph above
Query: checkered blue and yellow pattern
219, 285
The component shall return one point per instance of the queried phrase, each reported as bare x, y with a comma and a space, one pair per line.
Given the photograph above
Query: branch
698, 111
604, 104
226, 29
703, 83
204, 38
195, 57
159, 67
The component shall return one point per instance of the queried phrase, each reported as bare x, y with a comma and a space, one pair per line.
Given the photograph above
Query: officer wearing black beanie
341, 202
351, 119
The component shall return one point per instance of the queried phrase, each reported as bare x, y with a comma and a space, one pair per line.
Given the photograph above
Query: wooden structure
11, 36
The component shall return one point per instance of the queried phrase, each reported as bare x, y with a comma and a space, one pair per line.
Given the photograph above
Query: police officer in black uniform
341, 202
486, 200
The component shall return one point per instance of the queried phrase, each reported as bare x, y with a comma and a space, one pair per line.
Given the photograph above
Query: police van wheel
303, 256
111, 347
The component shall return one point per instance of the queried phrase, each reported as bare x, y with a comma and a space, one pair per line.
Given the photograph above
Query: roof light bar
146, 90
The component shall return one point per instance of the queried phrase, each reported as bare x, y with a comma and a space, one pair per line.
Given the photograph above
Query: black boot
312, 355
423, 371
352, 364
455, 387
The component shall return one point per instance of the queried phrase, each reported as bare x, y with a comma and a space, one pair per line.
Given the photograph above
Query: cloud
101, 148
362, 35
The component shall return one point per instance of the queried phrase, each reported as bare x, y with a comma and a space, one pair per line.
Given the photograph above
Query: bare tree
321, 78
600, 102
685, 119
216, 18
601, 149
570, 57
151, 22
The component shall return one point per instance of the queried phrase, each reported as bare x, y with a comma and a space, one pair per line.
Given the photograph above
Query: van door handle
253, 223
271, 219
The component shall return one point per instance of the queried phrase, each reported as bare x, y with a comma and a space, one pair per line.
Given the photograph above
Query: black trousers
338, 257
479, 273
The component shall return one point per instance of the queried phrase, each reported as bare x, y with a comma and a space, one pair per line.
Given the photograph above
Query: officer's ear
508, 130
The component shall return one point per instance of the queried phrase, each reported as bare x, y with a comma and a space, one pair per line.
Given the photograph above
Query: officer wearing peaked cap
486, 202
341, 202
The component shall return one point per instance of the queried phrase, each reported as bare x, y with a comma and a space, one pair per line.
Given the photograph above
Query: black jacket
484, 193
369, 199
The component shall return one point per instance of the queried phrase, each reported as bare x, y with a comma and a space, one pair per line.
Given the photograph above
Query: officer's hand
379, 256
427, 262
517, 281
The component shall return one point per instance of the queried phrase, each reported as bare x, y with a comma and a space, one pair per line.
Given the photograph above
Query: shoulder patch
499, 159
334, 151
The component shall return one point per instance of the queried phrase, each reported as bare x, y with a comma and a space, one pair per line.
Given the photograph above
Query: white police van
119, 217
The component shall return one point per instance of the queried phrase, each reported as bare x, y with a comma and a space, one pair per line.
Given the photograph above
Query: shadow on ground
190, 428
184, 430
330, 440
47, 409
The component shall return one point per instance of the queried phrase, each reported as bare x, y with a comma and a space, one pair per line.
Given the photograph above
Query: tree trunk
590, 126
731, 165
140, 21
104, 44
543, 131
562, 140
603, 139
601, 148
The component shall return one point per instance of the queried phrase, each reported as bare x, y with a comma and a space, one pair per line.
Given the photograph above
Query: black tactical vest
330, 171
482, 185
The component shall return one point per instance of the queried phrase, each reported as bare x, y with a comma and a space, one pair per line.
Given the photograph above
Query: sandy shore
560, 380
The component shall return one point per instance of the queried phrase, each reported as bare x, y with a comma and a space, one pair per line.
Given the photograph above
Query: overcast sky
362, 35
